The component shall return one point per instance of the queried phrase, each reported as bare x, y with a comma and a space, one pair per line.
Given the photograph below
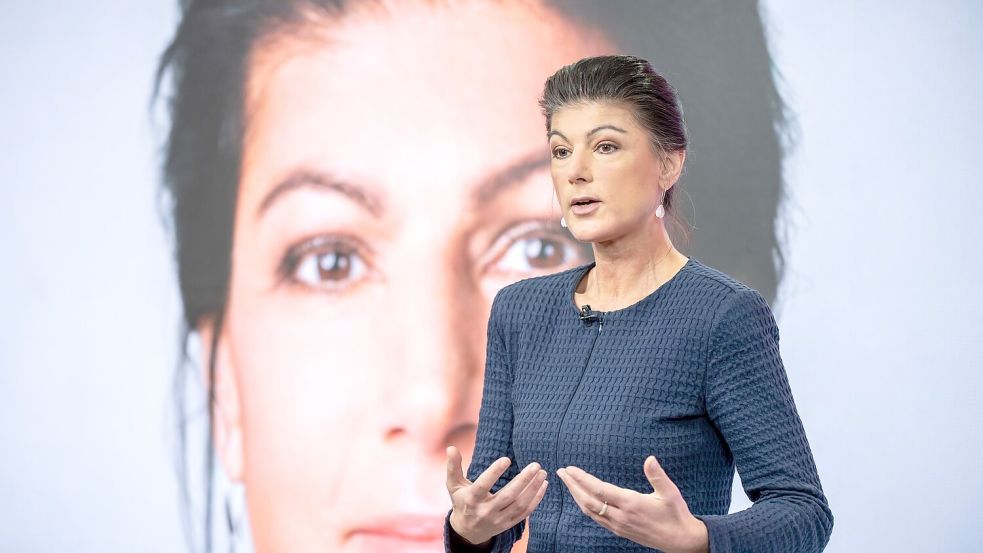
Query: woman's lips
401, 533
585, 208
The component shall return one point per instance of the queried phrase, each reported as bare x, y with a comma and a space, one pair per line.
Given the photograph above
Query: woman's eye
560, 152
606, 148
538, 252
324, 264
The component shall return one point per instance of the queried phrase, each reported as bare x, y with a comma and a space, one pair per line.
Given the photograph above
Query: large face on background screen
395, 176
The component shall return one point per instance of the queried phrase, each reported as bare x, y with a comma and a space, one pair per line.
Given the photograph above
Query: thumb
663, 486
455, 472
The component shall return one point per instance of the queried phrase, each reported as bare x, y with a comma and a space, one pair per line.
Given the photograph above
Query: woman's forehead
389, 89
456, 51
577, 120
459, 47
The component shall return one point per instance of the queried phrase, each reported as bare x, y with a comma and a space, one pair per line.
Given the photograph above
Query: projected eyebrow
319, 180
369, 200
588, 135
510, 176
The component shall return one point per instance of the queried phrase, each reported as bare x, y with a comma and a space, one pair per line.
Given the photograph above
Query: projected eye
533, 248
328, 263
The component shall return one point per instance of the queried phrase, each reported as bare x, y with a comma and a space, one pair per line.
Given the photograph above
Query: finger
664, 487
605, 491
591, 506
455, 471
538, 498
522, 501
510, 491
589, 503
529, 499
531, 506
483, 483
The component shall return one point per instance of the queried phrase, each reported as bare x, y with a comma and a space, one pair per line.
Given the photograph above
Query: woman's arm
494, 438
750, 402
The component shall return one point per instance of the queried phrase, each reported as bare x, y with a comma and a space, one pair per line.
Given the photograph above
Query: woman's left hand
660, 519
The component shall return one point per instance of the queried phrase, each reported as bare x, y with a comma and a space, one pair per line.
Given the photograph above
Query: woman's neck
630, 268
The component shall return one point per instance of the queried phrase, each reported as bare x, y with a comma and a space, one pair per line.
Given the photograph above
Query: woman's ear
672, 167
226, 416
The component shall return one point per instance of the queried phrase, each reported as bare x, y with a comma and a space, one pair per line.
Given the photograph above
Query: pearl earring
563, 222
660, 211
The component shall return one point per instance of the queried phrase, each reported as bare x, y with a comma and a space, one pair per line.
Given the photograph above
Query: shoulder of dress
719, 292
716, 280
730, 303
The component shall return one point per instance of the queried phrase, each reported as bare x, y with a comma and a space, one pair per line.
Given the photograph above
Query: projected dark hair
716, 53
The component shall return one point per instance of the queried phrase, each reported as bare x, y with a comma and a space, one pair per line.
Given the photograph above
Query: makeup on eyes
310, 261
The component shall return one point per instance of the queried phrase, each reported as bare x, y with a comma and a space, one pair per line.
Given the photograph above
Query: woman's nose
441, 360
580, 168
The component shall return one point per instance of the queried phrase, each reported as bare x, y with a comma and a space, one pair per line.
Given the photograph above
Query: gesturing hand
480, 515
659, 519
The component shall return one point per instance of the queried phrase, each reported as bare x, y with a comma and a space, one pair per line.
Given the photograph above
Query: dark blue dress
690, 374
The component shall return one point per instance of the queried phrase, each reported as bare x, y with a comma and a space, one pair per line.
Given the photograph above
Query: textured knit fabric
690, 374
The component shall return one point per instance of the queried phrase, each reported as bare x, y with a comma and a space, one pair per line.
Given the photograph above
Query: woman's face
607, 174
394, 178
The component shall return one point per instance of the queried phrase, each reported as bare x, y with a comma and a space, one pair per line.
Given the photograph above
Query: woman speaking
619, 396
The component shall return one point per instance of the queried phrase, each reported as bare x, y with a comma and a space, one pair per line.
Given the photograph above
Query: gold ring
603, 510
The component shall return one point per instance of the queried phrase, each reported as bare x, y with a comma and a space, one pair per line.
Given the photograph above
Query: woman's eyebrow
508, 176
310, 178
486, 190
609, 126
592, 131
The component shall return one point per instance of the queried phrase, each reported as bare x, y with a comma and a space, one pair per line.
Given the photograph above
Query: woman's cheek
301, 381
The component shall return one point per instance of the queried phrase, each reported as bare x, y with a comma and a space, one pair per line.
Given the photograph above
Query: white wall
880, 319
88, 332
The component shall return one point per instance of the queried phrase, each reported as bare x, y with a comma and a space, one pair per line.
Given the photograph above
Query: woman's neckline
582, 271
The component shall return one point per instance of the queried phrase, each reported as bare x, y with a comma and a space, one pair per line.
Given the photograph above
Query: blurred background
877, 217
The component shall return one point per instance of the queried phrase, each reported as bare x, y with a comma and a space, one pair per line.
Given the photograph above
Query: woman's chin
590, 231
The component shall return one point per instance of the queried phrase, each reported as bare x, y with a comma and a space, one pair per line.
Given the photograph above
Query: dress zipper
556, 448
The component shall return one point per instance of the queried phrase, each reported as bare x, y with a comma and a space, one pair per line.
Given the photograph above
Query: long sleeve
494, 435
749, 400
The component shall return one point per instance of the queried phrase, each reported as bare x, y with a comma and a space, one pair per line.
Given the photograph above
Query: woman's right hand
480, 515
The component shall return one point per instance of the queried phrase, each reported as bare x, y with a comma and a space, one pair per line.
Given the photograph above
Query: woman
350, 184
639, 380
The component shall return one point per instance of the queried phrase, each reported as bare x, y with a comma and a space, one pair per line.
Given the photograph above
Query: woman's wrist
695, 537
460, 543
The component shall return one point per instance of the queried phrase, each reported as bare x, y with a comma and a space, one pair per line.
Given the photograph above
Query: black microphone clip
587, 315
